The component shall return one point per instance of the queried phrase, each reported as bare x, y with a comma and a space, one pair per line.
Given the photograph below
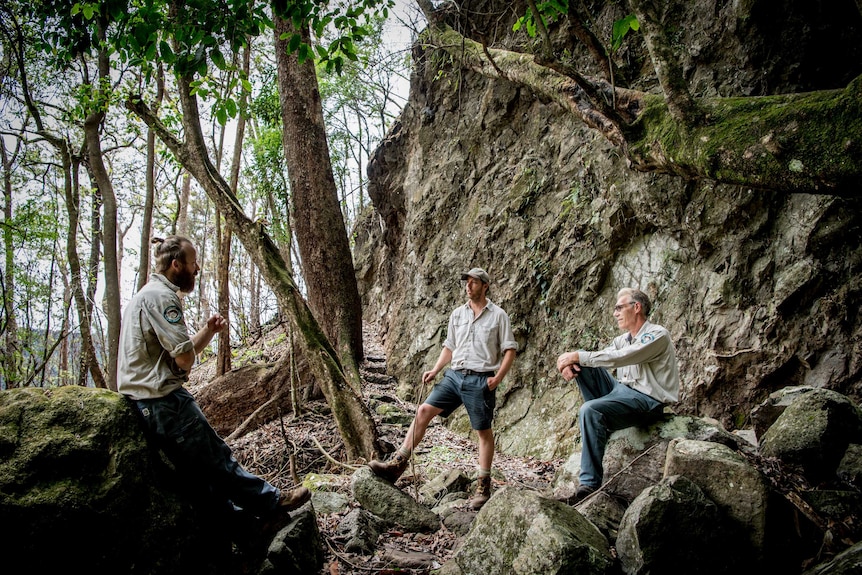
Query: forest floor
287, 450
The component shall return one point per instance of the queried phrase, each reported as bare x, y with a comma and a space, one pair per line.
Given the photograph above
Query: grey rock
672, 527
520, 532
390, 503
813, 433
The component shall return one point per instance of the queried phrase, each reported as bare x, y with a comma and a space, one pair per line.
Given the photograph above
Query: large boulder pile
81, 488
682, 496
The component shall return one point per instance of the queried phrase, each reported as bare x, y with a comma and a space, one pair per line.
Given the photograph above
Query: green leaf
348, 47
218, 58
621, 28
294, 43
165, 52
305, 53
221, 116
230, 104
560, 7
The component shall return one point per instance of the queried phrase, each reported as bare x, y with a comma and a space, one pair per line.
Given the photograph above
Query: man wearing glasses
647, 379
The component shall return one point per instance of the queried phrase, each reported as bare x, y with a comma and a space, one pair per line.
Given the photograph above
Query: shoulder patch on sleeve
173, 314
645, 338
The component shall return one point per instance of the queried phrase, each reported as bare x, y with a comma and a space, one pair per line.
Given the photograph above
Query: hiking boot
483, 492
581, 493
280, 516
392, 469
293, 499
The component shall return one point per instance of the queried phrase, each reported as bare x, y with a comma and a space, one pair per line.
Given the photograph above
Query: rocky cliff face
760, 290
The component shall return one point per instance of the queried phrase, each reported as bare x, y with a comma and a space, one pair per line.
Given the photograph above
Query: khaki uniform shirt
152, 334
478, 344
647, 363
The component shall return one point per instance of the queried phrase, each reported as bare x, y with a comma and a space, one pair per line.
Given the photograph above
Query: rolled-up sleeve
169, 325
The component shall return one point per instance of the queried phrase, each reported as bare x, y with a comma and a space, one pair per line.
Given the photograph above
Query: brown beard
185, 281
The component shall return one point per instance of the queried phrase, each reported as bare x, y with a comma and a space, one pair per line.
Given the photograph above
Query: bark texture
317, 219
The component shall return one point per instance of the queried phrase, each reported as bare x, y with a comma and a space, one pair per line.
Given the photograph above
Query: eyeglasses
621, 306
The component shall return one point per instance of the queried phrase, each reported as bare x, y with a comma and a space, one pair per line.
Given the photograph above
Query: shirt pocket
486, 334
632, 372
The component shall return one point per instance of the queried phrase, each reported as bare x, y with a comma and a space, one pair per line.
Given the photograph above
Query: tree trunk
83, 302
91, 273
319, 225
150, 193
109, 236
223, 238
11, 348
223, 359
182, 223
769, 142
352, 417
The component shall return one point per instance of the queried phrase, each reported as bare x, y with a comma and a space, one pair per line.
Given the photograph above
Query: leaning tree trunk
318, 222
354, 421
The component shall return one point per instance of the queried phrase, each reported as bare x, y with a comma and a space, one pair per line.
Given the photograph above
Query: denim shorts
470, 390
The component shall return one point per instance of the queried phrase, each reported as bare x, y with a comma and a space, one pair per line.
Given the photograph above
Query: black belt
479, 373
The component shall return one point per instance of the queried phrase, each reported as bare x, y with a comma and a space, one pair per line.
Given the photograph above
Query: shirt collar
488, 305
166, 281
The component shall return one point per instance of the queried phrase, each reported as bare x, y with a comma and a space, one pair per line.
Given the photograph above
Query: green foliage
197, 39
352, 24
549, 11
621, 28
553, 10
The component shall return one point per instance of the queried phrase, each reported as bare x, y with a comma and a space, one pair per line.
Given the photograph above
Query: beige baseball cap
477, 273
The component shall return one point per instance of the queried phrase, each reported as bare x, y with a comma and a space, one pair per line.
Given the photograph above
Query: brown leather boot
483, 492
280, 516
290, 500
392, 469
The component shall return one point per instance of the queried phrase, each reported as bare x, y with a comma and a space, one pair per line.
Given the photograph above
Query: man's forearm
202, 339
508, 360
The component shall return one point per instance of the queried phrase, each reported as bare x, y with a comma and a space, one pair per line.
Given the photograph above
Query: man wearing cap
481, 349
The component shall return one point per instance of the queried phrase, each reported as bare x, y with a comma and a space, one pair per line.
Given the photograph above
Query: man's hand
429, 376
570, 372
216, 323
567, 364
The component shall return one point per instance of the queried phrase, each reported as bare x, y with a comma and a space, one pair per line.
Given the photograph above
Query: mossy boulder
81, 489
